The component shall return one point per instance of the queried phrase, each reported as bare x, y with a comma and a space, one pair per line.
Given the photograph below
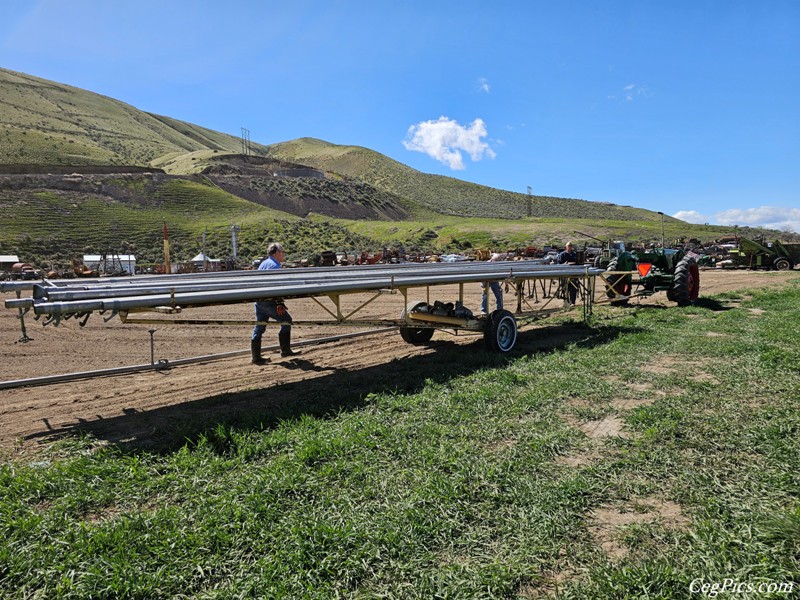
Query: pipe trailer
131, 298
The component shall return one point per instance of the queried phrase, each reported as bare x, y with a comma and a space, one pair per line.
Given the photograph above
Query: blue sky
687, 107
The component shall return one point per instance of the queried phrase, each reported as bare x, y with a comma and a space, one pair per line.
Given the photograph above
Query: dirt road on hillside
142, 408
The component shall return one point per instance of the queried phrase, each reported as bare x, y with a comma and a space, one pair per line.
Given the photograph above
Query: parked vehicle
675, 272
781, 256
24, 271
608, 251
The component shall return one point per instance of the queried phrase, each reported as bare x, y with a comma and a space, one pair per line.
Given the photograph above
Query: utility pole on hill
530, 201
234, 230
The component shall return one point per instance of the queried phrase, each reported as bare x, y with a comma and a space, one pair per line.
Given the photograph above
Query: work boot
255, 350
285, 340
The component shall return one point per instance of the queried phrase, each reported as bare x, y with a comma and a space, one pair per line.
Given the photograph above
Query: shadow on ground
166, 428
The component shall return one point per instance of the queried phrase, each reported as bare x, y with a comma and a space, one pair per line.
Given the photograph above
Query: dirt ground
136, 408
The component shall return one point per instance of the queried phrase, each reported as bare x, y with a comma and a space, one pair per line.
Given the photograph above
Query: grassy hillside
49, 219
457, 233
45, 122
445, 194
50, 226
51, 123
374, 199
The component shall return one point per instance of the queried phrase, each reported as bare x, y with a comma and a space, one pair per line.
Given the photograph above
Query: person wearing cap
274, 308
570, 257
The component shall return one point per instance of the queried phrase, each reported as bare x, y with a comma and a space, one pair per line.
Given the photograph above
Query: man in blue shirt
273, 308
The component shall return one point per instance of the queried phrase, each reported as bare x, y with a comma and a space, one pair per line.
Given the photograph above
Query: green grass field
659, 449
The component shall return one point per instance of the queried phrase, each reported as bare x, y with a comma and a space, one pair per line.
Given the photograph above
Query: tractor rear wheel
620, 285
500, 334
413, 334
782, 264
686, 282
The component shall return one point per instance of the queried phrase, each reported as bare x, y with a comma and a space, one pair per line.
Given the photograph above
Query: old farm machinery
778, 255
645, 272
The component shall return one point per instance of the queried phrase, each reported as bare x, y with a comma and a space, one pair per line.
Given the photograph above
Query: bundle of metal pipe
69, 297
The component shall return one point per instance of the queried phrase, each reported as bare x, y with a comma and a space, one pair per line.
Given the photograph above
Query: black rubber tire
500, 334
686, 282
621, 284
782, 264
415, 335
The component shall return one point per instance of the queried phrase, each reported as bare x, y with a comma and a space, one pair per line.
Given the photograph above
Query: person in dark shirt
570, 257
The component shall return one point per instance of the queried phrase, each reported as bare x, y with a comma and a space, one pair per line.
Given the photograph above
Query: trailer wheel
412, 334
686, 282
500, 334
620, 284
782, 264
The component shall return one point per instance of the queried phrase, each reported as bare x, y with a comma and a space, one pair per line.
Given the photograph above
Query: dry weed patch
607, 523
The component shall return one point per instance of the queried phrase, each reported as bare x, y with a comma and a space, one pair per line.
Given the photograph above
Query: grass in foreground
659, 449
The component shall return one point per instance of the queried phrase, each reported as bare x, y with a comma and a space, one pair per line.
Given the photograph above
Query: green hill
445, 195
56, 218
44, 122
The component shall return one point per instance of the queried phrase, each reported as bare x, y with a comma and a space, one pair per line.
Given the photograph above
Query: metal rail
167, 364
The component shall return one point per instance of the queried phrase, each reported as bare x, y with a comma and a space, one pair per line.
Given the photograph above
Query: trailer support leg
24, 339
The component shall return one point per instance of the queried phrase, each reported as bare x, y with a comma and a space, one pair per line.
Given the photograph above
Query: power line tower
245, 141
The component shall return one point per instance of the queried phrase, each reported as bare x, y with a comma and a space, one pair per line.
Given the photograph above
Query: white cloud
771, 217
444, 140
629, 91
483, 84
632, 91
691, 216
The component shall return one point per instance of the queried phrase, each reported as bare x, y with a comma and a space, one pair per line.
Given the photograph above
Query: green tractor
645, 272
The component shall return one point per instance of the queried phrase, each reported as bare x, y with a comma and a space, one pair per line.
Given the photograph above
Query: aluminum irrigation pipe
292, 289
50, 379
189, 282
44, 288
179, 279
56, 293
13, 286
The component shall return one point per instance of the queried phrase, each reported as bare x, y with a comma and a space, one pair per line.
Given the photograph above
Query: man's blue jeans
271, 310
498, 296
